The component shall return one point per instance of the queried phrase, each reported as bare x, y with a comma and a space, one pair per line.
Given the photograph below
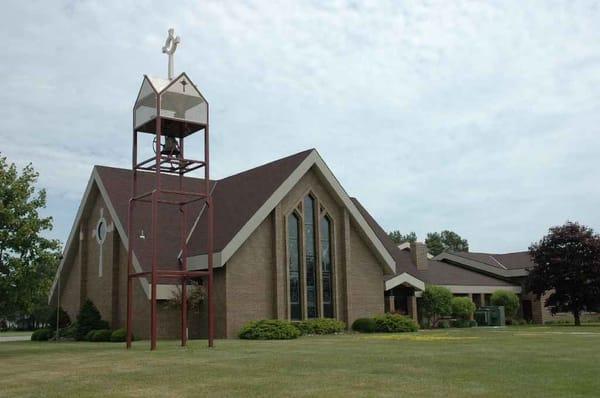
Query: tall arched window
294, 266
309, 256
326, 268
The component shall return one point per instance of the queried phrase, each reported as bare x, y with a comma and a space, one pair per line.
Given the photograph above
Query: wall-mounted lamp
142, 236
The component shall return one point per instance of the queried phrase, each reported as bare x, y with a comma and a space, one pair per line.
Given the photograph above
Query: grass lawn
12, 333
516, 361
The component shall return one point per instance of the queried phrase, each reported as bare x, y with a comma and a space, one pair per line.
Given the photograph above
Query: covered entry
400, 294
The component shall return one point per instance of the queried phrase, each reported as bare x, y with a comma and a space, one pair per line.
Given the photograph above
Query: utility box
490, 316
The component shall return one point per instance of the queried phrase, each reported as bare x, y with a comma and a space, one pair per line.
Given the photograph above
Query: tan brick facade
253, 284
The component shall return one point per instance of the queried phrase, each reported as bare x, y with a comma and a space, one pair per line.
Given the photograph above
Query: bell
171, 147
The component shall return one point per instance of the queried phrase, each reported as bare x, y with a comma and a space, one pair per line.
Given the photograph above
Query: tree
436, 302
88, 319
462, 307
567, 263
508, 300
444, 241
399, 238
28, 261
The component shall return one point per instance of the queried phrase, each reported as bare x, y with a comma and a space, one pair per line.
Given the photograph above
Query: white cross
169, 48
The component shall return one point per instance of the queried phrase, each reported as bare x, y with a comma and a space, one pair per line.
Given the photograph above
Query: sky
478, 117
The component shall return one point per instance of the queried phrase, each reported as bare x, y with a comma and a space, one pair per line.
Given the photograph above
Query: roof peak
301, 154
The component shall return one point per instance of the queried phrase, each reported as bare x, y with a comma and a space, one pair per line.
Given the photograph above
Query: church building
289, 244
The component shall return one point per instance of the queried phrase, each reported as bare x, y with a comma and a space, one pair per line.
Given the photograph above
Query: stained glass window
309, 255
326, 269
294, 266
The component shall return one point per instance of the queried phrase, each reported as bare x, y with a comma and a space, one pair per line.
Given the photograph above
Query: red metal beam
177, 165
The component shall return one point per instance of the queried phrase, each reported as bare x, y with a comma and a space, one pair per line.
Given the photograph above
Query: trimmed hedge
509, 300
65, 333
393, 323
364, 325
269, 329
320, 326
463, 307
89, 335
463, 323
42, 335
102, 335
120, 335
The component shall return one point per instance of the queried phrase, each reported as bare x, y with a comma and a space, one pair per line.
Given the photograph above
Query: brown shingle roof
442, 273
236, 199
517, 260
117, 183
239, 196
438, 273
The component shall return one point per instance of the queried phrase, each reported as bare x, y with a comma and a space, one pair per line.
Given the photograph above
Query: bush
395, 323
444, 324
102, 335
364, 325
266, 329
41, 335
320, 326
63, 319
472, 323
65, 333
88, 319
120, 335
89, 335
462, 307
461, 323
508, 300
436, 302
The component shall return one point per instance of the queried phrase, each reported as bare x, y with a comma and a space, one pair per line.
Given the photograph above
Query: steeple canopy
182, 108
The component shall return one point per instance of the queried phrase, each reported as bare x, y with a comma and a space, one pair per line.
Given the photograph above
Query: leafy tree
445, 241
567, 264
28, 261
508, 300
399, 238
436, 302
462, 307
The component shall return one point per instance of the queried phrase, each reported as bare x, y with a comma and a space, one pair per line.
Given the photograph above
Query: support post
153, 307
412, 307
391, 304
211, 311
130, 242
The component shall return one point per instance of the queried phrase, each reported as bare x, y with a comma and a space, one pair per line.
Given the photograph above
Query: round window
101, 231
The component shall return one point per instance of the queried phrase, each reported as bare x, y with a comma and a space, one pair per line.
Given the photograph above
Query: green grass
516, 361
13, 333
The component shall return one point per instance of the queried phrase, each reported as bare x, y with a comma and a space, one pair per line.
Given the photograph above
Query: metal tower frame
169, 164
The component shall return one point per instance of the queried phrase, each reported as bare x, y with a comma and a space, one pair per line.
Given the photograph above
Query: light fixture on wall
142, 236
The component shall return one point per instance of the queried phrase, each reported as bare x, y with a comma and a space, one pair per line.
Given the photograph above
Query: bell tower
171, 111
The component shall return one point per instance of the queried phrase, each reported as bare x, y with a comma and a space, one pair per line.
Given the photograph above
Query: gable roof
238, 197
242, 201
249, 197
517, 260
437, 272
509, 265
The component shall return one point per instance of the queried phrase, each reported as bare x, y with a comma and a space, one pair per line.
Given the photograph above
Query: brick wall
249, 281
365, 280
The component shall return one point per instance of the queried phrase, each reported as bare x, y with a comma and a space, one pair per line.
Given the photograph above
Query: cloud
477, 117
